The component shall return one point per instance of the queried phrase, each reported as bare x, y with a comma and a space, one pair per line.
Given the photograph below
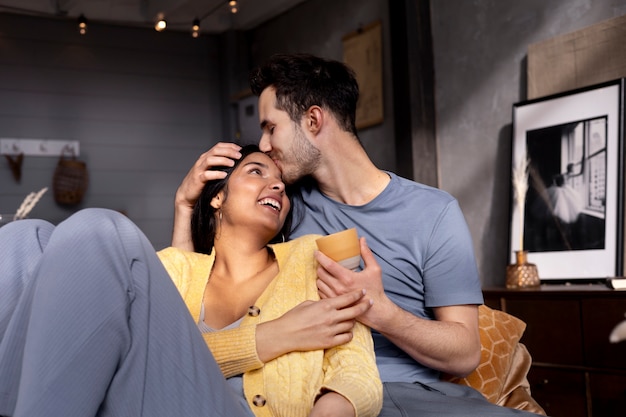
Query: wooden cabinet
576, 370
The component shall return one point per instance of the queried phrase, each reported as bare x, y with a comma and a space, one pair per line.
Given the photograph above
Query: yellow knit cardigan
289, 385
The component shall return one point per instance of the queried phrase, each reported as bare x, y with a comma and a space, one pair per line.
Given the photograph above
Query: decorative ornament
29, 202
521, 274
70, 180
15, 163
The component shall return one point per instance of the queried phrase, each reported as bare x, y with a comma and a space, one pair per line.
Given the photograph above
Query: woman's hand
332, 404
311, 325
222, 154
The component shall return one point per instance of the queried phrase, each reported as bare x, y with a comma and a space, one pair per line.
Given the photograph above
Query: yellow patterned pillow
499, 334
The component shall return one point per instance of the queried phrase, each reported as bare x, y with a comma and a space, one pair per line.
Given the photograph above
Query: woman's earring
220, 215
283, 236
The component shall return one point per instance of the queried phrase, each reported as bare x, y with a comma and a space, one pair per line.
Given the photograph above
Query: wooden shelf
576, 370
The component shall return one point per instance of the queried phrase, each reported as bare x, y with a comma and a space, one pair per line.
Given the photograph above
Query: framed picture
573, 213
362, 51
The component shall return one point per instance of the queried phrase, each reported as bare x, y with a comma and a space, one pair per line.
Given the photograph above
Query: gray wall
143, 106
480, 49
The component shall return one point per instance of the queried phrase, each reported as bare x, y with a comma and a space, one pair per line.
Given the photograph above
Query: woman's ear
216, 202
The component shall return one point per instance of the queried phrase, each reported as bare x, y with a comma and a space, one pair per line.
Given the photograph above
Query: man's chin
289, 178
286, 176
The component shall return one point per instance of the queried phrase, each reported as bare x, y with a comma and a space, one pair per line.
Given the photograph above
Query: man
419, 270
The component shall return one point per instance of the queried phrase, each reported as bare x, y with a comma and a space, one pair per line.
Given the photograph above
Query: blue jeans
91, 325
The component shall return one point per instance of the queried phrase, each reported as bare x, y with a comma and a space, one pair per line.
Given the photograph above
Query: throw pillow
500, 332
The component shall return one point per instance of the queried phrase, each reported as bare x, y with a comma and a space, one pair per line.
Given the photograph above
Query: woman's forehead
260, 158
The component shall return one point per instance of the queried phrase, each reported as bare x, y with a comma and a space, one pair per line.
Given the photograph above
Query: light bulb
82, 24
195, 28
160, 24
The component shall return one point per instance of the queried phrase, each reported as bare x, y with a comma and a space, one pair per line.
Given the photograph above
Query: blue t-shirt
421, 241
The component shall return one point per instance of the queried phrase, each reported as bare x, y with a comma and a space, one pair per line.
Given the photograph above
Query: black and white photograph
566, 201
572, 145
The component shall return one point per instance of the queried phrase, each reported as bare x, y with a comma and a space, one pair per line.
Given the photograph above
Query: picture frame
362, 51
573, 212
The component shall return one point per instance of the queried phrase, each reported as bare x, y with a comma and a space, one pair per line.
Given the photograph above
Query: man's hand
334, 280
450, 343
311, 325
222, 154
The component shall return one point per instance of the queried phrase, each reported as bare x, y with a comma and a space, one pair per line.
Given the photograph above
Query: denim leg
21, 246
438, 399
108, 333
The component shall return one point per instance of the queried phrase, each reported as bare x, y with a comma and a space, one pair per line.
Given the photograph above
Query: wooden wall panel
578, 59
143, 106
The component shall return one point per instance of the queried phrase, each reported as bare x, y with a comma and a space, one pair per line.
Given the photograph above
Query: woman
234, 220
92, 325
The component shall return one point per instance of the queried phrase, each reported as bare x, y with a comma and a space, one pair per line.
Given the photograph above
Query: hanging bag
70, 179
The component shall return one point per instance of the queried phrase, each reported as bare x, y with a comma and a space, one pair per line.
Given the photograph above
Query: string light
195, 28
82, 24
160, 24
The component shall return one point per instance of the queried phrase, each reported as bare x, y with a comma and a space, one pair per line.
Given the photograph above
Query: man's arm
451, 343
189, 190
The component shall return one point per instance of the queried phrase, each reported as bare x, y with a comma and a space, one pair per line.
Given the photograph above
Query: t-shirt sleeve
450, 273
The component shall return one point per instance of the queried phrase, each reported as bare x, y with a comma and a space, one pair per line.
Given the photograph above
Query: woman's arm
350, 370
332, 404
311, 325
222, 154
234, 350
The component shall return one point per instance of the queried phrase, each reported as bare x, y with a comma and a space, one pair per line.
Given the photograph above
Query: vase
522, 274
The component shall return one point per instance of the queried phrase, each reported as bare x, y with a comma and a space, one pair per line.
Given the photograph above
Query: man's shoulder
309, 191
404, 185
407, 195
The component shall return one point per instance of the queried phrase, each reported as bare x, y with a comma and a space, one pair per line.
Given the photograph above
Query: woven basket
70, 181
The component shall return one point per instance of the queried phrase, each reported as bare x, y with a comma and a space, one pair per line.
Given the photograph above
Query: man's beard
303, 158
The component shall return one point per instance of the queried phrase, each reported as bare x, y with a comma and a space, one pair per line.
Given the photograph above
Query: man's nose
264, 144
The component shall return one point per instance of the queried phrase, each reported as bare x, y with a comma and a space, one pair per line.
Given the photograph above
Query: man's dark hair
303, 80
203, 223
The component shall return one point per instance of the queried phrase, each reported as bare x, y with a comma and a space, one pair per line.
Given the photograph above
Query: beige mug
342, 247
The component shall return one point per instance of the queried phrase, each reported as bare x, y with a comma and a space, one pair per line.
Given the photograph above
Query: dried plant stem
28, 204
520, 187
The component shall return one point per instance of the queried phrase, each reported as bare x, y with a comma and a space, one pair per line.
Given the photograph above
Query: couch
504, 364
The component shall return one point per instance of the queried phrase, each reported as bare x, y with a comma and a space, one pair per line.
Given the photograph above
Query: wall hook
15, 163
38, 147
